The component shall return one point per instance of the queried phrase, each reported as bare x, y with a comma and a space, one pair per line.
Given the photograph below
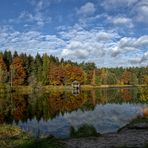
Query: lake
56, 113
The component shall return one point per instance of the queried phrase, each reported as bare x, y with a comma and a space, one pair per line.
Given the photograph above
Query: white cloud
133, 42
144, 57
127, 44
143, 40
140, 11
42, 4
81, 54
88, 45
37, 18
104, 47
37, 15
102, 35
136, 9
135, 60
120, 20
113, 4
87, 9
30, 42
141, 59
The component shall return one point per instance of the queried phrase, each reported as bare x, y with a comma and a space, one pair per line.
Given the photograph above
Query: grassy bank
85, 87
48, 88
13, 137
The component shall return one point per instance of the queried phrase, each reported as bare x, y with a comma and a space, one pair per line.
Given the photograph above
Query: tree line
23, 69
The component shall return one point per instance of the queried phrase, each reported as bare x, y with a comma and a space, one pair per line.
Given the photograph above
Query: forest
27, 70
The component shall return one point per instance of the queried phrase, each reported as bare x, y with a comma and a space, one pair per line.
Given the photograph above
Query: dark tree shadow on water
84, 131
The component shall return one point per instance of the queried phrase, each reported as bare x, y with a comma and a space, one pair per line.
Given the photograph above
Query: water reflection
55, 113
105, 118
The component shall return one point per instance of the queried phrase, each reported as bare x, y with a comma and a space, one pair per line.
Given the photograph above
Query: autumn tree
126, 77
104, 76
3, 70
56, 75
36, 71
73, 73
18, 73
146, 79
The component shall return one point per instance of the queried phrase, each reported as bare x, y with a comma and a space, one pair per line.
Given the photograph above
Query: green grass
87, 87
5, 88
44, 143
13, 137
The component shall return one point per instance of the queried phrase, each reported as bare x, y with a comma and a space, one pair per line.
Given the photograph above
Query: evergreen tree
134, 79
45, 80
94, 77
7, 58
38, 68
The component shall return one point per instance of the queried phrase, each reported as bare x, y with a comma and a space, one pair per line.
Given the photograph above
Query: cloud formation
78, 44
87, 9
120, 20
137, 9
37, 18
31, 42
108, 32
127, 44
113, 4
141, 11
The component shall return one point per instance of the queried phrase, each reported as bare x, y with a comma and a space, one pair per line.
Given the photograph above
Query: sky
110, 33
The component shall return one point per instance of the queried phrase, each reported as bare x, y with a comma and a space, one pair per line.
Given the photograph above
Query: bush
84, 131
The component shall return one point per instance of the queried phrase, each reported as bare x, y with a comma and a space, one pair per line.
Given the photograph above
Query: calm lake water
56, 113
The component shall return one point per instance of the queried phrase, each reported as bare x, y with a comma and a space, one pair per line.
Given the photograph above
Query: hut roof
75, 82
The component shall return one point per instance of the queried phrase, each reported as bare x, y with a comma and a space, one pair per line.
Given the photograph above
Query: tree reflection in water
84, 130
45, 107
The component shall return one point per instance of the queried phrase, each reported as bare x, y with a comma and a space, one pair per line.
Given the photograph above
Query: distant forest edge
26, 70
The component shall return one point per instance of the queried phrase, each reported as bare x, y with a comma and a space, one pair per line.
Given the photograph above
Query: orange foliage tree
73, 73
3, 70
18, 73
56, 74
126, 77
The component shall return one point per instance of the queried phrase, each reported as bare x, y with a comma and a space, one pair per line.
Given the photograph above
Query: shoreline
134, 134
29, 89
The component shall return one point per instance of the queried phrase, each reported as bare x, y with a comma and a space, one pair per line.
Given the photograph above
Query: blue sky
108, 32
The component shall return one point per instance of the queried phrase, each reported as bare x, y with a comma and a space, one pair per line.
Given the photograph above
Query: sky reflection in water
105, 118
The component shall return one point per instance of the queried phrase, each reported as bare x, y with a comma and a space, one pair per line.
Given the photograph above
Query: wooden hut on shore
75, 85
